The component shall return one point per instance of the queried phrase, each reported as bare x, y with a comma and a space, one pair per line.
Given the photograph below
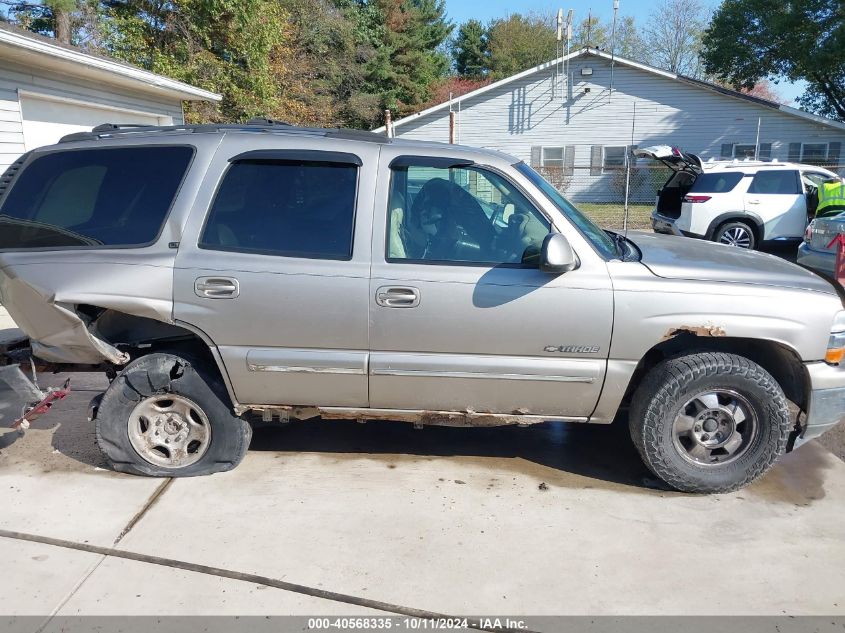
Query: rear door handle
398, 297
753, 202
217, 287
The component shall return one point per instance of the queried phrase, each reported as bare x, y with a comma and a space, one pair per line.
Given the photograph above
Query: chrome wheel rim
736, 236
714, 428
169, 430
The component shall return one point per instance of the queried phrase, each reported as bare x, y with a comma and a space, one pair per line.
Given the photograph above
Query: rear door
776, 196
276, 272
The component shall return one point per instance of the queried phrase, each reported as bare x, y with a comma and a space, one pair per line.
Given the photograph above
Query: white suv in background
739, 203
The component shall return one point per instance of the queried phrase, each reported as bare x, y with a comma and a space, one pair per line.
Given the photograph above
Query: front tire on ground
709, 422
166, 415
737, 234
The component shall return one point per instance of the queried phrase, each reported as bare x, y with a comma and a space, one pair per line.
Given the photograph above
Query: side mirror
557, 255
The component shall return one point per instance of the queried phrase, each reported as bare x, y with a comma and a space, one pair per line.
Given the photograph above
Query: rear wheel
709, 422
737, 234
168, 416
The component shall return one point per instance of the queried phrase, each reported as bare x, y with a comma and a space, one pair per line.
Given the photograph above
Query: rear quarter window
107, 197
716, 183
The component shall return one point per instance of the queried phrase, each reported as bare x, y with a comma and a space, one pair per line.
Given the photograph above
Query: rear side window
716, 183
285, 208
114, 197
778, 181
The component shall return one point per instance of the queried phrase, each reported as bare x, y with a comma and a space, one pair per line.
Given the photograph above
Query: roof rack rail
112, 130
270, 122
111, 127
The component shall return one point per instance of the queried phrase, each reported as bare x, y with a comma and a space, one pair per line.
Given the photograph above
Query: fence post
627, 193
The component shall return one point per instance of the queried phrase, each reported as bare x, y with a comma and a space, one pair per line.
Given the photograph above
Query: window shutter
794, 155
536, 156
595, 160
765, 151
727, 150
833, 152
569, 160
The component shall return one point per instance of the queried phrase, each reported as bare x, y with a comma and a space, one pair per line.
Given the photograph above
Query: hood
687, 258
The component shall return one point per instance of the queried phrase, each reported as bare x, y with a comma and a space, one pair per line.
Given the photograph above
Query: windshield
603, 243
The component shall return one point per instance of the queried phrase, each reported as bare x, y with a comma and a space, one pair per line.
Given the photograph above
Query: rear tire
168, 416
709, 422
737, 234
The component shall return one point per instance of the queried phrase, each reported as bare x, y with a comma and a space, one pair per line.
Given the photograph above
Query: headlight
836, 346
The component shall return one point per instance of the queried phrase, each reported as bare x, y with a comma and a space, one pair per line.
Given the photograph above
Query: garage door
45, 120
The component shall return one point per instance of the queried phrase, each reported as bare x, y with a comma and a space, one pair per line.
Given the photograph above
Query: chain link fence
603, 193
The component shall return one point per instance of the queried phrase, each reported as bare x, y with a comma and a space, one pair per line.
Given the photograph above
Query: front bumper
826, 406
817, 260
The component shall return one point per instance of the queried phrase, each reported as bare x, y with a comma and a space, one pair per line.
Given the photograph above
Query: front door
777, 198
276, 273
461, 317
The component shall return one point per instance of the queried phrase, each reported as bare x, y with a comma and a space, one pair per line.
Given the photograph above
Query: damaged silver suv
220, 273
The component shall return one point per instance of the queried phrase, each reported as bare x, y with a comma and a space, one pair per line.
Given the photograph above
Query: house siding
532, 112
14, 78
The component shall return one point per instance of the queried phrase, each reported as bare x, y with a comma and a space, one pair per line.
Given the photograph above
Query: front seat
395, 239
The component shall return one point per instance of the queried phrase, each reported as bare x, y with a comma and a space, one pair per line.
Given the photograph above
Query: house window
813, 153
552, 157
614, 157
744, 150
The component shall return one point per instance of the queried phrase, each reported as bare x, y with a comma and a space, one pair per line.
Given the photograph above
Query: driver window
462, 215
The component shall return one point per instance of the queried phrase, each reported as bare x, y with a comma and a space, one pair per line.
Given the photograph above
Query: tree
591, 33
519, 42
628, 42
235, 47
408, 56
470, 50
749, 40
68, 21
673, 36
764, 90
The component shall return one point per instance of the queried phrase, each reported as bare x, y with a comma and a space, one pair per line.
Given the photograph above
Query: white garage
46, 119
49, 90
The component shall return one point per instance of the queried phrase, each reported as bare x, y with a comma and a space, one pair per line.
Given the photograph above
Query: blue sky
484, 10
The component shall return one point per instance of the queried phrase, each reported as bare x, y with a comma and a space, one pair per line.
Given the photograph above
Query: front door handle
217, 287
397, 297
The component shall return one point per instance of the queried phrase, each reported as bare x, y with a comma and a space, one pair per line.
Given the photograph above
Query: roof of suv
752, 166
269, 126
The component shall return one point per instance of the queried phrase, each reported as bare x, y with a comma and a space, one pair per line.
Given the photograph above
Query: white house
580, 114
48, 90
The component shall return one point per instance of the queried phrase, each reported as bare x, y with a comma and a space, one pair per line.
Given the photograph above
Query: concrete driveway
344, 518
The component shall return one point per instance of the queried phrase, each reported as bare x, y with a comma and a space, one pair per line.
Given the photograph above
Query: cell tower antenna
558, 51
568, 42
613, 46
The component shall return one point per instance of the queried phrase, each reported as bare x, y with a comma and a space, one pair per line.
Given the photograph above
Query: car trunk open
685, 170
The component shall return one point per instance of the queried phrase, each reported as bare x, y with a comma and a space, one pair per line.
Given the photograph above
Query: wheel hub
169, 430
714, 427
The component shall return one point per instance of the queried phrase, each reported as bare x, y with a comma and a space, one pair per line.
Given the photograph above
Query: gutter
182, 90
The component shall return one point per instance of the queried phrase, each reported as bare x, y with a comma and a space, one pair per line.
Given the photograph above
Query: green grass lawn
611, 216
